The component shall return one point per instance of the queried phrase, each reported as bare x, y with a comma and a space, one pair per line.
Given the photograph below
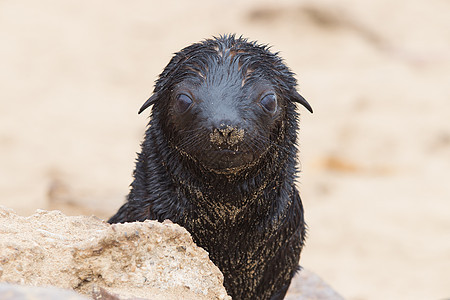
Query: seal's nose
226, 134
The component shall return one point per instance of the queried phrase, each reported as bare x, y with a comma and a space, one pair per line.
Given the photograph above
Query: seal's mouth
227, 152
226, 161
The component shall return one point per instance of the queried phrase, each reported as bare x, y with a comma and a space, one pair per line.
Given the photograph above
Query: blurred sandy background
375, 155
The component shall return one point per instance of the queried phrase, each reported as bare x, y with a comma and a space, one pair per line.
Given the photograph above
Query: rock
143, 259
308, 286
19, 292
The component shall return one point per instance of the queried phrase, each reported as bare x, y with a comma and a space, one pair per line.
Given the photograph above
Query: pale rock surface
20, 292
308, 286
142, 259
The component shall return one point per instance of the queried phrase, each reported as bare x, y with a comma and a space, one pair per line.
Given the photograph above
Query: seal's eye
182, 103
269, 103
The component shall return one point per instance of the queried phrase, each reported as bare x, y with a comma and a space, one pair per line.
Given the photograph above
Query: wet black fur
250, 219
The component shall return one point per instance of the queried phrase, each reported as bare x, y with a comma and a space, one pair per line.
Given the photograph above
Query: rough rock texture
145, 259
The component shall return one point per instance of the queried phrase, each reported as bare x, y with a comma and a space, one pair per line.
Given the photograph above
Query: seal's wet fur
219, 158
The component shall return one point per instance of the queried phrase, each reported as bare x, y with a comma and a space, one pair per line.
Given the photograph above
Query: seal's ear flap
149, 102
299, 99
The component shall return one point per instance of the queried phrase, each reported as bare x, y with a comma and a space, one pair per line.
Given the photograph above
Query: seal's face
222, 123
223, 103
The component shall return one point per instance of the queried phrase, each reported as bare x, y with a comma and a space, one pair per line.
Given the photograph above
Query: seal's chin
226, 161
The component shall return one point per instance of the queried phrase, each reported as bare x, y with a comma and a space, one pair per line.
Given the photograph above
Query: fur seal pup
219, 158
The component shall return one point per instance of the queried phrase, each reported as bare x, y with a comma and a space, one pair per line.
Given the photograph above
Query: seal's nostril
227, 131
217, 137
226, 135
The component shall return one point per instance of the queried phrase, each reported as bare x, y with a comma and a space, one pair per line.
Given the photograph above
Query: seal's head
225, 102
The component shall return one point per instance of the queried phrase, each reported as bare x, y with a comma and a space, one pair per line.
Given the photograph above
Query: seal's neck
217, 196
